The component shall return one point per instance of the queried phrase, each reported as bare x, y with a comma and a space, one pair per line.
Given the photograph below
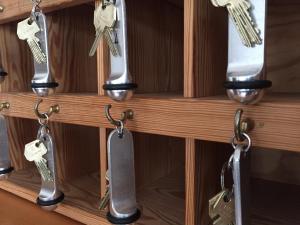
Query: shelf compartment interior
155, 45
71, 33
160, 179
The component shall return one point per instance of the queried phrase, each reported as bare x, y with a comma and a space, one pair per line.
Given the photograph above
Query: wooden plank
17, 9
81, 199
162, 201
203, 118
12, 204
190, 182
267, 211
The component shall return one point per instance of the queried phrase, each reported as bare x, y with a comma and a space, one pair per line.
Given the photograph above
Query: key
105, 16
239, 11
27, 30
105, 199
34, 151
221, 209
111, 41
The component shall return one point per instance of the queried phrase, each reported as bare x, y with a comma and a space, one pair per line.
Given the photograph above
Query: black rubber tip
44, 85
256, 84
51, 202
2, 73
116, 87
128, 220
6, 171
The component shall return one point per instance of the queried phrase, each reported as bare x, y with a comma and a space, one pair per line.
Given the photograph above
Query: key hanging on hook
120, 150
42, 152
34, 31
119, 85
241, 143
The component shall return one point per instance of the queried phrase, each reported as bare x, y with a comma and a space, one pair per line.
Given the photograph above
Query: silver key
34, 151
105, 16
111, 40
239, 13
27, 30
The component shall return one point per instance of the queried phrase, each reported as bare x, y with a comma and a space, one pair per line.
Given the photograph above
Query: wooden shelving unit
183, 120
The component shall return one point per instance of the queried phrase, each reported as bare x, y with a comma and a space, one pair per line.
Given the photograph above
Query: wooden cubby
183, 121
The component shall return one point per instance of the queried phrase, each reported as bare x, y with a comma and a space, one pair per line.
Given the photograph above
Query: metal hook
241, 126
46, 115
4, 105
126, 115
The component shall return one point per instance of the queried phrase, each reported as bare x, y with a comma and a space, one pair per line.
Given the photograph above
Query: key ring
120, 128
43, 121
226, 166
35, 8
234, 143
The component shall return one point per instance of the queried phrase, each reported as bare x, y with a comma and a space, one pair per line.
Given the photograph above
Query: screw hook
241, 126
126, 115
46, 115
4, 105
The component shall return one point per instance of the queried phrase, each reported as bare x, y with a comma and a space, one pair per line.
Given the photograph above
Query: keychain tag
41, 152
123, 205
241, 176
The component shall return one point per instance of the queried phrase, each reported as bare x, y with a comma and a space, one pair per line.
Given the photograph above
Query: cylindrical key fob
246, 79
42, 83
5, 164
50, 196
123, 206
119, 86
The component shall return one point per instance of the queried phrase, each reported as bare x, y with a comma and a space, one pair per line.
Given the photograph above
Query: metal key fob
119, 86
245, 72
241, 176
5, 164
49, 195
43, 83
123, 205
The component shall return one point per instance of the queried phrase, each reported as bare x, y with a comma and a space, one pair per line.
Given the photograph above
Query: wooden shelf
200, 118
14, 9
81, 198
12, 204
275, 203
170, 209
81, 201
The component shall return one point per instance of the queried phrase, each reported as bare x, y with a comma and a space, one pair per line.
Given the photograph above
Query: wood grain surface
283, 52
203, 50
283, 45
82, 200
209, 118
12, 204
16, 9
274, 203
81, 194
155, 45
162, 201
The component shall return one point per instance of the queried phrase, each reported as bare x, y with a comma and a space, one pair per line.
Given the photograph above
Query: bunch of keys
232, 207
221, 206
105, 199
34, 151
239, 11
29, 30
105, 18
